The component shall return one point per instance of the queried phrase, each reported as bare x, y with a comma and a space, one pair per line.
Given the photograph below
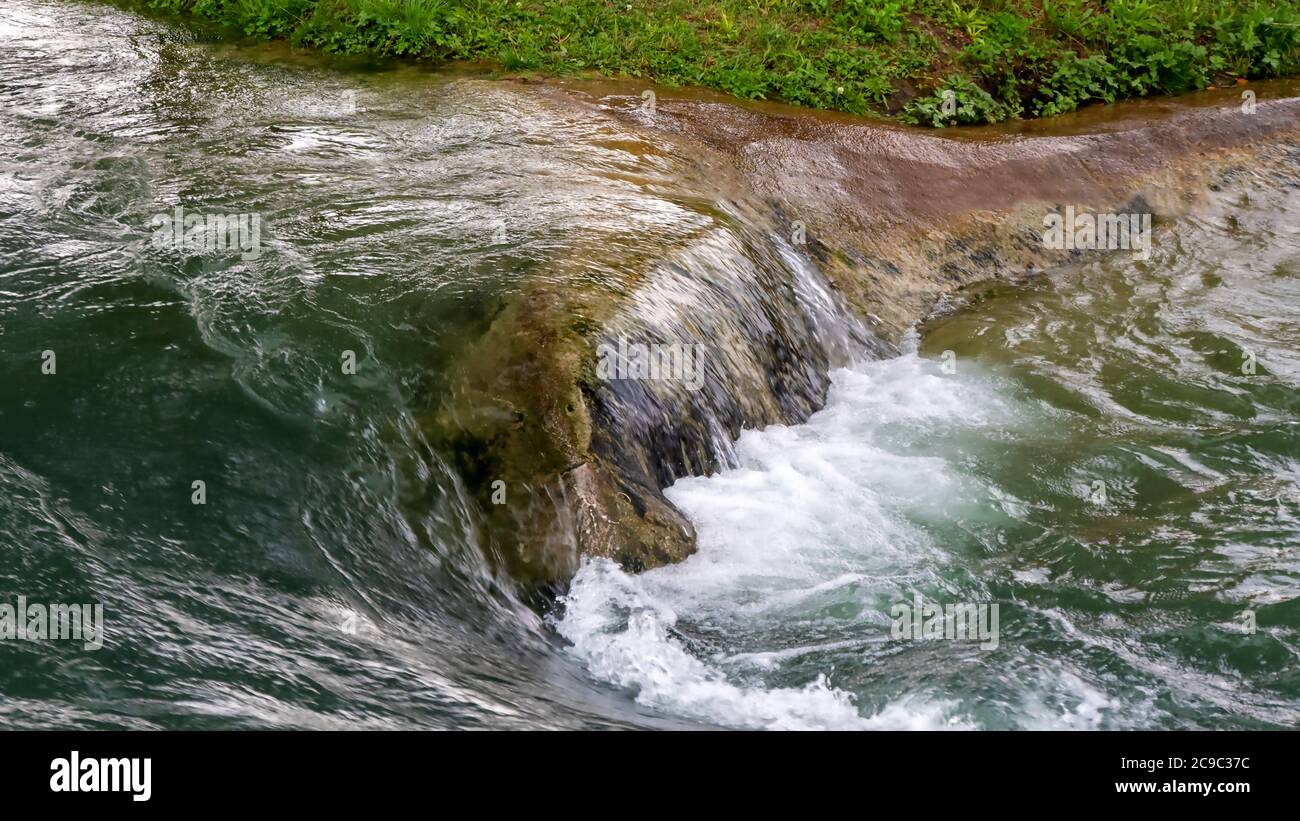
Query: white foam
817, 518
623, 637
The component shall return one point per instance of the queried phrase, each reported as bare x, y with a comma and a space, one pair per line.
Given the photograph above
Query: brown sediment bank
825, 237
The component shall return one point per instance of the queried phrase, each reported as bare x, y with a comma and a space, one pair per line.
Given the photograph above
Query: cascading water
338, 573
973, 477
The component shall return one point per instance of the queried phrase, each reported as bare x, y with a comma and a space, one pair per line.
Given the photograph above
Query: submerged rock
817, 240
519, 415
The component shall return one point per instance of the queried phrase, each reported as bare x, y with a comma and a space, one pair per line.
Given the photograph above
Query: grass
933, 62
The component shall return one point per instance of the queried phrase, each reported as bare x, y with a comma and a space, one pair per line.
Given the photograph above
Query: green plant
868, 20
1133, 15
1074, 82
1003, 58
1265, 39
969, 20
958, 102
1070, 18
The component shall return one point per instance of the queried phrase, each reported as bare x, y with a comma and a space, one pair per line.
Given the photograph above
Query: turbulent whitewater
1108, 450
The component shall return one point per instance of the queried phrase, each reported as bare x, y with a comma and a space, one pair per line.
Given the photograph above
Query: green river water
1111, 451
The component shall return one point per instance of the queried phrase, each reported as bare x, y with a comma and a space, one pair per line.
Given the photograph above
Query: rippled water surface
337, 575
1088, 447
398, 206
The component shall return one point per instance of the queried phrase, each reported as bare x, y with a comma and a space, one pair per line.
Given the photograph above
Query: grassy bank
999, 59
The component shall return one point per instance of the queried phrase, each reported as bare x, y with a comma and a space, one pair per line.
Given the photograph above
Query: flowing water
1111, 452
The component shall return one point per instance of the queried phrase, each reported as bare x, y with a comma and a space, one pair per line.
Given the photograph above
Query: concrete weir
815, 239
